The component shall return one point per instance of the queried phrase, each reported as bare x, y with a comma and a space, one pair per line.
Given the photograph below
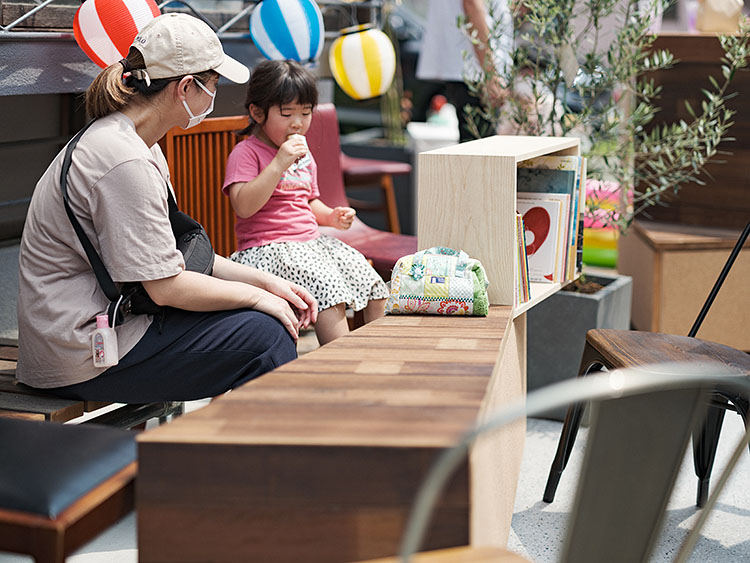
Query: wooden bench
320, 459
21, 401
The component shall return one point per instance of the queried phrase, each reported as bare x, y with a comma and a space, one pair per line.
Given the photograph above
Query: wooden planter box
673, 269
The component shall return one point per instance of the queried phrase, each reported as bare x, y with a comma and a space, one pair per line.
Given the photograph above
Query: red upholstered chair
381, 247
366, 172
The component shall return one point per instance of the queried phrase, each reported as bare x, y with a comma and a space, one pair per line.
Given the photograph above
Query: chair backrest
633, 454
640, 430
197, 159
323, 140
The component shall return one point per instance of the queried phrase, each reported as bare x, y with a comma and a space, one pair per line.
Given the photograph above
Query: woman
216, 332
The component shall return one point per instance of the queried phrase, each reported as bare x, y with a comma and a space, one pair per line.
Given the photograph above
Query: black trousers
189, 356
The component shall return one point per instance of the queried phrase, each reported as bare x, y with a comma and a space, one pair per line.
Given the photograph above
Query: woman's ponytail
108, 92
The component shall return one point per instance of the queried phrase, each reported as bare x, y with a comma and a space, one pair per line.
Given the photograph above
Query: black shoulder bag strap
190, 237
102, 275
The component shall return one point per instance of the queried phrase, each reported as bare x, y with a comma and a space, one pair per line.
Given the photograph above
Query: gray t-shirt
118, 192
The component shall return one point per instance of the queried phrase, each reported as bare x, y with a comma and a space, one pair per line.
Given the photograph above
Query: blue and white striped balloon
288, 29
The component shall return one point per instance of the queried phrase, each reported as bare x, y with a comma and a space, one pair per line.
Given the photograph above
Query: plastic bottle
104, 343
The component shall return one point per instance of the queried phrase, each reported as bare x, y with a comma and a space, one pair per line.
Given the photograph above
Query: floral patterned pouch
438, 281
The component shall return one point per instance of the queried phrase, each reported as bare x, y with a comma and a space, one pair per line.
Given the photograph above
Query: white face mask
196, 119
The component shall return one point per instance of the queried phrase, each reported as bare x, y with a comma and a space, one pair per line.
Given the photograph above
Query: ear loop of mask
196, 119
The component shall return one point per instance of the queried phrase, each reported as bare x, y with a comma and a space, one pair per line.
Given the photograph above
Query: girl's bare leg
331, 324
374, 310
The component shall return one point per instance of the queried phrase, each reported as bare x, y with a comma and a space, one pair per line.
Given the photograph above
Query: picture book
542, 221
561, 175
561, 235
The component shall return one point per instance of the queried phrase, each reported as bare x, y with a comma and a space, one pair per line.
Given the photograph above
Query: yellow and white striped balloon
362, 61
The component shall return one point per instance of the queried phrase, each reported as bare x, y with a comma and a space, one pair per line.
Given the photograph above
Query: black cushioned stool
61, 485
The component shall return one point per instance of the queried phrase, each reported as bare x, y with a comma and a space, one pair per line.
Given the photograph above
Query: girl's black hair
275, 83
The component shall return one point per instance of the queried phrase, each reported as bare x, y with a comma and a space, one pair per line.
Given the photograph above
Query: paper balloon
288, 29
363, 61
105, 29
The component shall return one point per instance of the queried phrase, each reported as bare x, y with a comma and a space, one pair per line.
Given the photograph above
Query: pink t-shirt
287, 215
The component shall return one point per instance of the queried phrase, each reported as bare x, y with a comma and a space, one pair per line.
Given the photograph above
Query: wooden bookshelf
467, 200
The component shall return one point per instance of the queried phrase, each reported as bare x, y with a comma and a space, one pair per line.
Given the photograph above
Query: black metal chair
611, 349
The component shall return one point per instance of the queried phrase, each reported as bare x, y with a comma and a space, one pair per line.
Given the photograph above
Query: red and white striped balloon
105, 29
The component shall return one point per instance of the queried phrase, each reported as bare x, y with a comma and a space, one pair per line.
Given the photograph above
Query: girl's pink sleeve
243, 165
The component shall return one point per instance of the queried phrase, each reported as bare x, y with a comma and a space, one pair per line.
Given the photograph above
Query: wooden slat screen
197, 158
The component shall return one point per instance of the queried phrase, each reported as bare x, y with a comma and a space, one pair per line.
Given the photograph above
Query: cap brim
233, 70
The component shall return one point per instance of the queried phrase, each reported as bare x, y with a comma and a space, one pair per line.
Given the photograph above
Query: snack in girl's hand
302, 161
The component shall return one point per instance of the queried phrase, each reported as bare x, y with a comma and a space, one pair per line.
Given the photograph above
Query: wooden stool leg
590, 362
391, 209
705, 442
50, 547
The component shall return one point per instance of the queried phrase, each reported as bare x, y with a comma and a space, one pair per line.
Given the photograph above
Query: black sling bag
190, 238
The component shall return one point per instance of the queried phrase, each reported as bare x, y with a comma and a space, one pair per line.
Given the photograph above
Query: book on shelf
522, 291
579, 215
543, 219
559, 236
559, 175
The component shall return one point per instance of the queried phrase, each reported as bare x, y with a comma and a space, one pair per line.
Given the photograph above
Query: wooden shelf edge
539, 292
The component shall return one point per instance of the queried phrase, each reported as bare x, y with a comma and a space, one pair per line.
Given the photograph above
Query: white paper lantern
363, 61
288, 29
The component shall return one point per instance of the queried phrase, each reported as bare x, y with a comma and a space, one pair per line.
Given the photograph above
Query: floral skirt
331, 270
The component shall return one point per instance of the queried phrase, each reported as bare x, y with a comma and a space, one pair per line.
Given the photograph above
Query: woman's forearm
476, 14
192, 291
229, 270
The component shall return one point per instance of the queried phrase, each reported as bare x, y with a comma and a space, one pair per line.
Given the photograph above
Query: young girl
271, 180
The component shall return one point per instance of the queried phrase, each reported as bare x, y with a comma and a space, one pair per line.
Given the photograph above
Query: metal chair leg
570, 429
705, 442
564, 449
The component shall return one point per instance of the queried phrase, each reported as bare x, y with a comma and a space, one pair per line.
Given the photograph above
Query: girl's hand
305, 306
342, 217
291, 150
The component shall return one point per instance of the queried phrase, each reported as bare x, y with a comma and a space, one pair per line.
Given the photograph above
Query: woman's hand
281, 309
304, 304
342, 217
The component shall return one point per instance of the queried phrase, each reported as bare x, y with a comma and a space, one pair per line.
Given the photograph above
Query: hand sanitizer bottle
104, 343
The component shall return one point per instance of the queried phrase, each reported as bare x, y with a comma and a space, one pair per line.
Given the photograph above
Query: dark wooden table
320, 459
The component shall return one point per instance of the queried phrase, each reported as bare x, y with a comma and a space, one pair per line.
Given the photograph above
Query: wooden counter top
411, 380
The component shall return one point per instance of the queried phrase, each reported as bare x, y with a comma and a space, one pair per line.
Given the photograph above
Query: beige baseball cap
178, 44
